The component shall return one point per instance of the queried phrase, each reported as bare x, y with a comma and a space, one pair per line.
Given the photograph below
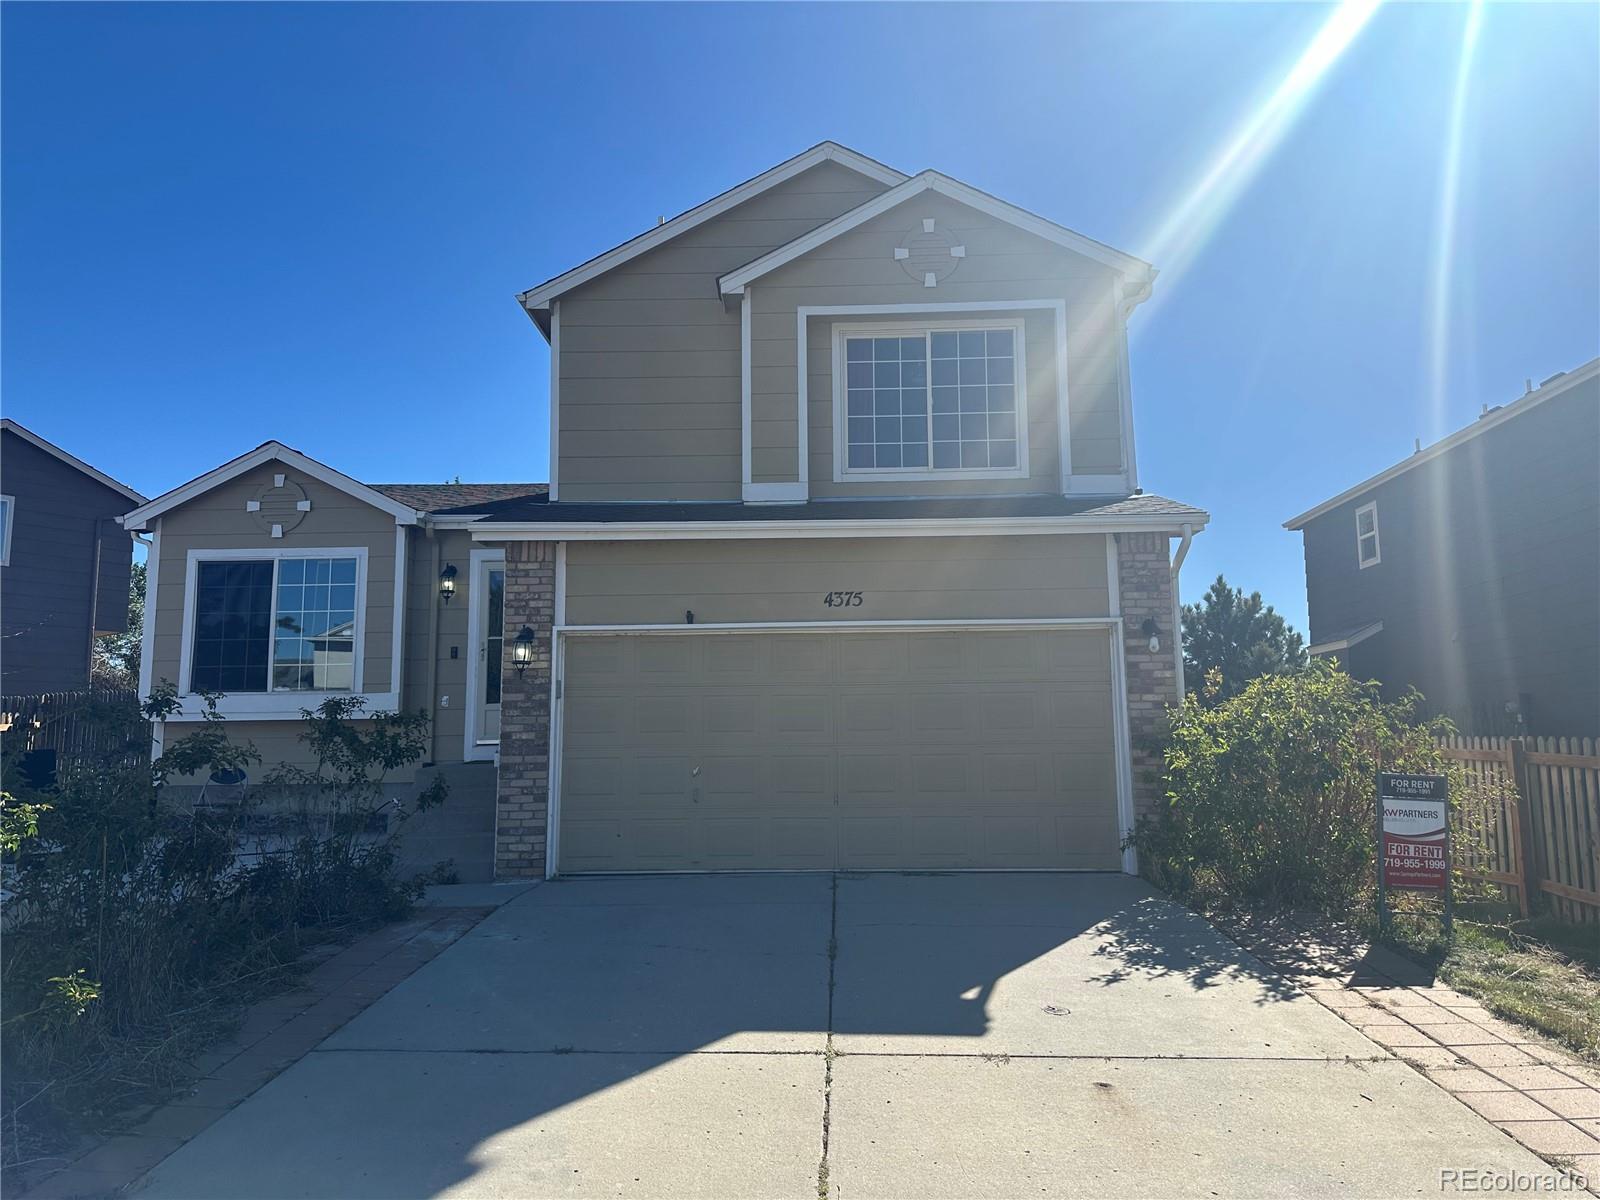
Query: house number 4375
842, 599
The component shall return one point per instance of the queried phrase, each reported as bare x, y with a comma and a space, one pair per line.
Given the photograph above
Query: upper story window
1367, 535
930, 401
275, 623
8, 508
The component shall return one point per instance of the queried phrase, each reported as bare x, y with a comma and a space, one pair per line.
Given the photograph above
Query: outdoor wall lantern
522, 649
447, 582
1150, 631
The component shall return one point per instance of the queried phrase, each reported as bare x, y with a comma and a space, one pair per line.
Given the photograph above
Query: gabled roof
403, 514
71, 460
734, 282
537, 299
449, 497
1551, 387
1343, 641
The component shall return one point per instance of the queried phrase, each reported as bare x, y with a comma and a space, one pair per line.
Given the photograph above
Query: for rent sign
1413, 832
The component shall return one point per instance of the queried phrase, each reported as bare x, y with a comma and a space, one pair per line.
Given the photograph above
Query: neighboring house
1471, 571
65, 563
844, 560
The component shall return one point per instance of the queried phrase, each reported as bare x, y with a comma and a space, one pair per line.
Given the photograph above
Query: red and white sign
1413, 831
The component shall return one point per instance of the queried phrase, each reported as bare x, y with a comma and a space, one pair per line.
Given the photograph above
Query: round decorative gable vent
929, 254
279, 506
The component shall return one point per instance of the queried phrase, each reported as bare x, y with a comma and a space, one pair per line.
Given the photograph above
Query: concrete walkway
938, 1036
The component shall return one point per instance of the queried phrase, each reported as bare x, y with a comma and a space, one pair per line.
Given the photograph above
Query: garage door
868, 750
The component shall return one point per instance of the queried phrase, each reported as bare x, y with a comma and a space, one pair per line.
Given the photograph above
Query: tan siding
218, 521
1002, 263
422, 591
958, 578
651, 353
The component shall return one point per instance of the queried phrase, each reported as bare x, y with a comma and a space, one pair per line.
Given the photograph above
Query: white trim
841, 331
1362, 561
744, 386
1074, 485
1121, 750
9, 503
274, 705
1181, 553
775, 493
398, 640
552, 829
802, 317
265, 453
1124, 748
677, 531
731, 283
152, 593
1516, 408
540, 296
555, 402
1348, 640
71, 460
1113, 578
472, 748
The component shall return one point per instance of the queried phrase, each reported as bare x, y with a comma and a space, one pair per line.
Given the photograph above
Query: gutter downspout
1177, 607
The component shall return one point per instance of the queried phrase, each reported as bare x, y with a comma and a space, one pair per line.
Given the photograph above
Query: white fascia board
72, 460
734, 282
539, 297
269, 452
1344, 643
659, 531
1511, 411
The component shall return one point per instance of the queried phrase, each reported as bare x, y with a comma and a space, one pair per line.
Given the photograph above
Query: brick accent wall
522, 793
1144, 579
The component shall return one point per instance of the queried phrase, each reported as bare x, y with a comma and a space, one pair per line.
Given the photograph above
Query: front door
489, 598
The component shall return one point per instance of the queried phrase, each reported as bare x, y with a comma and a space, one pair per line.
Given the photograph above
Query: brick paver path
1538, 1094
275, 1033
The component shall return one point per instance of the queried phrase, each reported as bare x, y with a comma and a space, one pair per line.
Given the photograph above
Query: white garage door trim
1119, 702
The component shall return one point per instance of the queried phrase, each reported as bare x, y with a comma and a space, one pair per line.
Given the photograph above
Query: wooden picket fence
1530, 821
65, 725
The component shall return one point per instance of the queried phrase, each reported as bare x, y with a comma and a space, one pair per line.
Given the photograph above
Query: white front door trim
472, 749
1122, 753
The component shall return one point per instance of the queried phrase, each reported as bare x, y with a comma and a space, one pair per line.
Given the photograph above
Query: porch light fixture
1150, 631
522, 649
447, 582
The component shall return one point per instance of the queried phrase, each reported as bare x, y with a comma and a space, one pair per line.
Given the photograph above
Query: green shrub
135, 926
1270, 795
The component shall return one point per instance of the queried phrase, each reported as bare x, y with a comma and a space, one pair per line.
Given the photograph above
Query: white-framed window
930, 400
1367, 535
287, 621
8, 509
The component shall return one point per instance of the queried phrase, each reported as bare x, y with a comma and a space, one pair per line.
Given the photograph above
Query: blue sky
228, 223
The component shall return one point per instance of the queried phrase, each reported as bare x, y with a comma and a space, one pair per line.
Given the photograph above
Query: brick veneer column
1144, 578
522, 794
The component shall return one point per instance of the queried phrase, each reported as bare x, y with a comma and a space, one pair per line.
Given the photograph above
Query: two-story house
844, 560
1471, 570
65, 563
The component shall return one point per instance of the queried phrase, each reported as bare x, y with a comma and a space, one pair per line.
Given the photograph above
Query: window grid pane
314, 647
232, 626
886, 402
974, 387
494, 649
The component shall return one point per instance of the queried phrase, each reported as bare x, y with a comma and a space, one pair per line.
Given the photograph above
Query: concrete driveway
852, 1036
